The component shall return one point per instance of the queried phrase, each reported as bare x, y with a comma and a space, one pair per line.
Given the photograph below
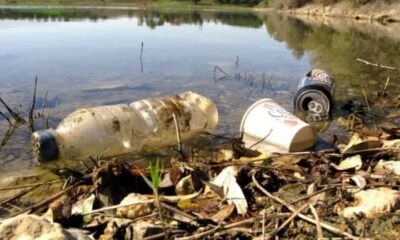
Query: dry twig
284, 224
43, 203
15, 115
18, 195
319, 229
118, 206
366, 100
141, 58
201, 234
302, 216
178, 134
43, 104
377, 65
33, 106
30, 185
5, 117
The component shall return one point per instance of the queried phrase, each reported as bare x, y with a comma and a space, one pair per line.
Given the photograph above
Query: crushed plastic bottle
123, 128
315, 95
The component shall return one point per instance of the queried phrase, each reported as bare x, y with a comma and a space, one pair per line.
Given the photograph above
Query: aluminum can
315, 95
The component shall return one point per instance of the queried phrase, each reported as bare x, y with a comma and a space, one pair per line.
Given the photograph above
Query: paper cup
268, 127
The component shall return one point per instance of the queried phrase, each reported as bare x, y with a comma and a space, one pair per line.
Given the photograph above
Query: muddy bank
377, 11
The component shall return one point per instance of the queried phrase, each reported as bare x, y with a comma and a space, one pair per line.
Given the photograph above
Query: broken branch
377, 65
15, 115
33, 106
319, 229
5, 117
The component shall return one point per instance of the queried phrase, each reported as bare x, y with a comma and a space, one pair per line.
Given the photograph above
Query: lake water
89, 57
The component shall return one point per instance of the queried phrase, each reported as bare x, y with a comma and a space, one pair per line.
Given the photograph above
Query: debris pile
234, 192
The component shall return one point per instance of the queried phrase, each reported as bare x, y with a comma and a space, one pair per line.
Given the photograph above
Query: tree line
286, 4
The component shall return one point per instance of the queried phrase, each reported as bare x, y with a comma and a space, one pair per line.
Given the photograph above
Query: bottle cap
45, 145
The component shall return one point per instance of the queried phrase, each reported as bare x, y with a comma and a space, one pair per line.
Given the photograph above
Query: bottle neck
44, 145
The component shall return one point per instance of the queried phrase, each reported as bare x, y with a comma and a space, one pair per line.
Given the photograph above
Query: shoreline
178, 5
372, 12
379, 12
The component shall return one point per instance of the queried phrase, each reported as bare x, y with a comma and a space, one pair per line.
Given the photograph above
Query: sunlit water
85, 58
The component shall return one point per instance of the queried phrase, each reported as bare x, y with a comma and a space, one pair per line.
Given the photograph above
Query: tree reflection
336, 48
146, 17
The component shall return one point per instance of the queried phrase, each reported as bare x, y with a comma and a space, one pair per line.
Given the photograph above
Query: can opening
313, 98
304, 104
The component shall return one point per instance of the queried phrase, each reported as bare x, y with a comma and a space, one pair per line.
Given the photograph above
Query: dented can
268, 127
315, 95
123, 128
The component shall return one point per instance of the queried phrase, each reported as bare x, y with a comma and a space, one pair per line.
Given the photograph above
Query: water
91, 57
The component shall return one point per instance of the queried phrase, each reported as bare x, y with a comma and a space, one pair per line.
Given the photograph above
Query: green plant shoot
155, 175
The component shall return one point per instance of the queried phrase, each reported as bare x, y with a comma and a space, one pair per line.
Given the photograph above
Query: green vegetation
181, 4
287, 4
155, 173
184, 4
241, 2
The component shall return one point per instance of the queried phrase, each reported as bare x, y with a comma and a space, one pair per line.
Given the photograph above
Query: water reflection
336, 47
90, 57
148, 17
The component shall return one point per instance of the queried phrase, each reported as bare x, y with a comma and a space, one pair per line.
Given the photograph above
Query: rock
373, 202
29, 227
114, 229
144, 229
137, 210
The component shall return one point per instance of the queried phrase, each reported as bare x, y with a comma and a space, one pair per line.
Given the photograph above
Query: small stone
144, 229
113, 227
34, 227
137, 210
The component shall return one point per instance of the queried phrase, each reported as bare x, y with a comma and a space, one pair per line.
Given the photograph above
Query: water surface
89, 57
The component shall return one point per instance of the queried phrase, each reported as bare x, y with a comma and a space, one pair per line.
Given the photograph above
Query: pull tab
315, 107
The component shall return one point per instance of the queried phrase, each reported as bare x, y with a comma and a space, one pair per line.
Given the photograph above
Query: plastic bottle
123, 128
315, 95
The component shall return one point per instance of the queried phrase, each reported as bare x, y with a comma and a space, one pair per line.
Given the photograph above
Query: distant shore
208, 5
377, 11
